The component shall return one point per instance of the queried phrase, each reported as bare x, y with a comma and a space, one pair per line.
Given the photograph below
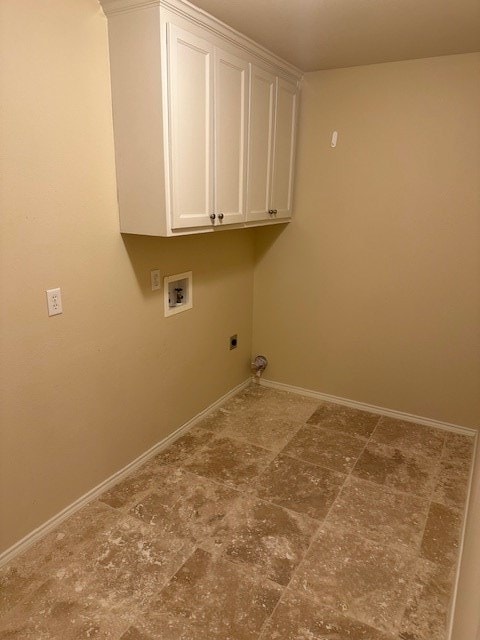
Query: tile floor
276, 518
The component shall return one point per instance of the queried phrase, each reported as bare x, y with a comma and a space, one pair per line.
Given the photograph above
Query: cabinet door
260, 143
231, 95
284, 149
190, 83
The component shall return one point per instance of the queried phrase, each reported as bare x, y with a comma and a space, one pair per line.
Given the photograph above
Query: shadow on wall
213, 257
265, 237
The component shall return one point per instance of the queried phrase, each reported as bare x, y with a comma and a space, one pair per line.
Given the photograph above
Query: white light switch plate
155, 279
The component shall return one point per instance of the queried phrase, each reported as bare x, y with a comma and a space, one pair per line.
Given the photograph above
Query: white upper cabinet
204, 122
191, 127
284, 148
231, 111
260, 150
271, 151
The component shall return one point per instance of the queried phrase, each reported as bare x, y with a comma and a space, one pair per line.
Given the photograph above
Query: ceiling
325, 34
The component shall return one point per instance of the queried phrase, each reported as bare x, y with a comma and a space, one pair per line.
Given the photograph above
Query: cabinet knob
220, 216
271, 212
212, 216
274, 212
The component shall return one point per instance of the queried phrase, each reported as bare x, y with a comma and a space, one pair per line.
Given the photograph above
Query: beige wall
373, 292
84, 393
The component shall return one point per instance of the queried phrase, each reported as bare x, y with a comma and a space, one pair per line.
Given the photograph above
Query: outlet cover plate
54, 301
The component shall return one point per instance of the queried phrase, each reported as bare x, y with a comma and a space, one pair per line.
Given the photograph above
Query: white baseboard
35, 535
468, 507
391, 413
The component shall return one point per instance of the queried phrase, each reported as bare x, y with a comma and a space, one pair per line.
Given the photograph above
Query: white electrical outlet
54, 301
155, 279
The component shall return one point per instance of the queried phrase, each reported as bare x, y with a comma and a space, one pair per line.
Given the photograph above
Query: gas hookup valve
258, 366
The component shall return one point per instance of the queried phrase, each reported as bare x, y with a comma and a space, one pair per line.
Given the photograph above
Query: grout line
386, 635
387, 545
243, 440
418, 555
312, 541
310, 463
349, 475
392, 490
408, 450
326, 522
249, 492
388, 489
282, 451
431, 500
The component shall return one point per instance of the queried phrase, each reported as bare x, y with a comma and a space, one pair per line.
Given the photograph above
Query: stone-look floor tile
272, 403
269, 433
362, 579
150, 476
122, 567
253, 426
397, 469
17, 580
458, 448
335, 451
267, 538
218, 420
131, 562
208, 598
135, 634
196, 508
52, 612
300, 617
380, 514
183, 448
409, 436
452, 484
247, 401
441, 538
428, 604
340, 418
290, 406
27, 572
229, 461
247, 398
299, 486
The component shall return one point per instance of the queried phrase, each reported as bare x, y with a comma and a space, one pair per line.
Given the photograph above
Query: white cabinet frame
182, 116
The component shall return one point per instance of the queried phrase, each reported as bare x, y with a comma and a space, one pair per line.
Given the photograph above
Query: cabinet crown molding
195, 14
